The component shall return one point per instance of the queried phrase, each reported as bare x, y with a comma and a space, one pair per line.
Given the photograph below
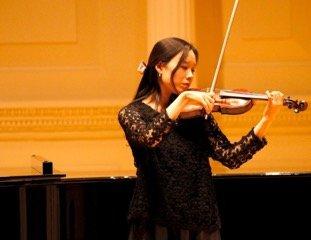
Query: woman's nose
189, 74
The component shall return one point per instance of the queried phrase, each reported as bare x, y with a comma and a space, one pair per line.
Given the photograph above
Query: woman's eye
184, 67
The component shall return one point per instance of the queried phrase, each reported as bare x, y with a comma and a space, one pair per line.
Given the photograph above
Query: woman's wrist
174, 109
262, 126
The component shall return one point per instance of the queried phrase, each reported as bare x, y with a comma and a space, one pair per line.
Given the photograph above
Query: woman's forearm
262, 126
174, 109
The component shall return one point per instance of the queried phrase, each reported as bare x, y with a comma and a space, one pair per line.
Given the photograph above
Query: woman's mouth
185, 86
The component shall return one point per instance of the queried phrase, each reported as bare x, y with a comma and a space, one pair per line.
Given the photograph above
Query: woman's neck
158, 104
165, 96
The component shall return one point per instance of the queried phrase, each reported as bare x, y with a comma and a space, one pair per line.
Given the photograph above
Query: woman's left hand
274, 104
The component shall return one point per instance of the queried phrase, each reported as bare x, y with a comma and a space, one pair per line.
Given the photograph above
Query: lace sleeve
231, 155
138, 131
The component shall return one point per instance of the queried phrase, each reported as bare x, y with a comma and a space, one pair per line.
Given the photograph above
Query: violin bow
224, 44
296, 105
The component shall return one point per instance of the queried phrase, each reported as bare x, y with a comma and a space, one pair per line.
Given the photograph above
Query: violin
234, 102
246, 99
238, 102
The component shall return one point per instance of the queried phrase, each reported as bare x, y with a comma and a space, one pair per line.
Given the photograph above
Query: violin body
233, 106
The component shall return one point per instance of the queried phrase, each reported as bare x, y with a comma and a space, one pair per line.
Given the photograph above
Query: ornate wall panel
37, 21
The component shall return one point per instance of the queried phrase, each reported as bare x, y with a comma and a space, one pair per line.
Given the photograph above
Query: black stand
36, 206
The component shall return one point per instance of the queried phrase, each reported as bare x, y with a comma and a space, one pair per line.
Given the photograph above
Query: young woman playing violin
174, 196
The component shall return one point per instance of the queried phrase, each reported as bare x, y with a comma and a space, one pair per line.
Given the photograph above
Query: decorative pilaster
170, 18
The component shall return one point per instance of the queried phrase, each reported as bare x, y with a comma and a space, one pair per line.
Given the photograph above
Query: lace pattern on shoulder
139, 131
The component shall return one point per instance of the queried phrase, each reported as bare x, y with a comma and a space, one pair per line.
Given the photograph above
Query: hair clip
141, 67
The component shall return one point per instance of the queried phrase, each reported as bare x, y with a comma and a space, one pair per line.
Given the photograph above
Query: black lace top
174, 180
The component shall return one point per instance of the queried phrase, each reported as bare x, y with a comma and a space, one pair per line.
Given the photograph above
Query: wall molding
100, 122
59, 122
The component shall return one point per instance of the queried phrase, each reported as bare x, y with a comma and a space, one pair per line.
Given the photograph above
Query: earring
159, 75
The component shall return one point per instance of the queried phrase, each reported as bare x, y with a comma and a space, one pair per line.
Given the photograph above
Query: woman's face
183, 76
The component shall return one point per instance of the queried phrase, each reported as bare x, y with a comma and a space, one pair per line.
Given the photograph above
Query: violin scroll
296, 105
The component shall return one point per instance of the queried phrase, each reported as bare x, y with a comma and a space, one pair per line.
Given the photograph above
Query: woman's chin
179, 91
182, 89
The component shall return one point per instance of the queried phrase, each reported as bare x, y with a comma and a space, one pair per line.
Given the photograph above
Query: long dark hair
162, 52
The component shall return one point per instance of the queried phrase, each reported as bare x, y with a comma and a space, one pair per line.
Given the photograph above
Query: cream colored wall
66, 68
71, 50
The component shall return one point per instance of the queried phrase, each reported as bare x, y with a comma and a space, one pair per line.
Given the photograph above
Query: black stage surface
252, 206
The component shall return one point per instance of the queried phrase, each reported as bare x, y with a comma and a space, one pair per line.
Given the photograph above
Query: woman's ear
159, 67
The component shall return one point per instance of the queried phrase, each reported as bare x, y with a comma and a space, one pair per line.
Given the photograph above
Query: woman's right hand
189, 101
197, 100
